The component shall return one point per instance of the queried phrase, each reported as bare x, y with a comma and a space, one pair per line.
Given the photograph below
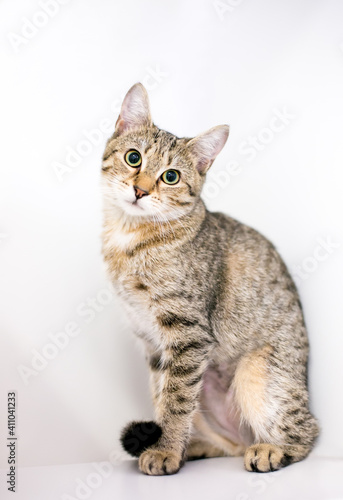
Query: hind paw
265, 458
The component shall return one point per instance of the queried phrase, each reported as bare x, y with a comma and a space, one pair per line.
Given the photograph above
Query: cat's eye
133, 158
170, 177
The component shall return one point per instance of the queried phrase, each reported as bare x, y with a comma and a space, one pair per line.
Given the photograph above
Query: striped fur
212, 302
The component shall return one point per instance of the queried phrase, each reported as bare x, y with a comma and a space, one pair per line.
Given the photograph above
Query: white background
213, 67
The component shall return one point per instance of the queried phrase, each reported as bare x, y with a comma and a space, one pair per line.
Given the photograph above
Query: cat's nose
139, 192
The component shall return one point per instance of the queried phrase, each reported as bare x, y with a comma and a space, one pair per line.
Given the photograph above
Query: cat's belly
217, 405
217, 402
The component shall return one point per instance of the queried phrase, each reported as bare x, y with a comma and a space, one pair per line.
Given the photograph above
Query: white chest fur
121, 239
130, 275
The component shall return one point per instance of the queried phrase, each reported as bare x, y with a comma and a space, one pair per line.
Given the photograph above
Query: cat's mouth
133, 207
137, 207
136, 204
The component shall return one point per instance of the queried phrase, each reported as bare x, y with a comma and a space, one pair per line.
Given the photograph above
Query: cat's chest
135, 283
141, 275
136, 298
134, 289
140, 270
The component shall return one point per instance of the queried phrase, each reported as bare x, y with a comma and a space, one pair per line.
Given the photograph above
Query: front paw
159, 463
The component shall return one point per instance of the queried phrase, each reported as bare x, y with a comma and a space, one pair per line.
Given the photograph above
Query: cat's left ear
135, 111
206, 146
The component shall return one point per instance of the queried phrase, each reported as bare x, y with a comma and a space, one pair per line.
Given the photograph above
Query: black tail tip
137, 436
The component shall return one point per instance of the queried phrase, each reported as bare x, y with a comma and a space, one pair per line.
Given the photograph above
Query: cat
212, 302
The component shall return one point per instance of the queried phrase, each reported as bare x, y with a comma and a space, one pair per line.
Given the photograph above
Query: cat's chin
134, 210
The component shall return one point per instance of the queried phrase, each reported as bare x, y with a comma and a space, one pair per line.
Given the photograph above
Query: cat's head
150, 173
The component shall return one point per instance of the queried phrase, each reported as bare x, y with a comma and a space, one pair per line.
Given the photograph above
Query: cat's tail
137, 436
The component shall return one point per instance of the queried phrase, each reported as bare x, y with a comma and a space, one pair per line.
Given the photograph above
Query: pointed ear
206, 146
135, 112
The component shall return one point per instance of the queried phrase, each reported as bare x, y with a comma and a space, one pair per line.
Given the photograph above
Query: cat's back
258, 296
243, 246
239, 240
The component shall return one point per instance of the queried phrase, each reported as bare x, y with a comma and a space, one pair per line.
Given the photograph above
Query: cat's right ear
135, 111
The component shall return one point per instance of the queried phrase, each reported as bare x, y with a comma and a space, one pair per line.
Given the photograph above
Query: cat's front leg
182, 365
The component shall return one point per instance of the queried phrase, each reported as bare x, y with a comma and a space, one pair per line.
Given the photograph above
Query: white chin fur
135, 209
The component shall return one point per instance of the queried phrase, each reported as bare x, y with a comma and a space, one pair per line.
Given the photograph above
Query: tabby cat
212, 302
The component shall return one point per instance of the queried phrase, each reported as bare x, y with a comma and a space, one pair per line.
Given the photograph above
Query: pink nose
139, 192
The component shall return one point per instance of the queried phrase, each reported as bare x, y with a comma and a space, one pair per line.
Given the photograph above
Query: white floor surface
212, 479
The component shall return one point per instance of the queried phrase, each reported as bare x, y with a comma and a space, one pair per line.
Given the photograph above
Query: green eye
133, 158
171, 177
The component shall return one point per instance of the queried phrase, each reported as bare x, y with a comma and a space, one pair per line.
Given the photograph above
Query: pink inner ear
207, 146
129, 121
120, 125
203, 164
135, 111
